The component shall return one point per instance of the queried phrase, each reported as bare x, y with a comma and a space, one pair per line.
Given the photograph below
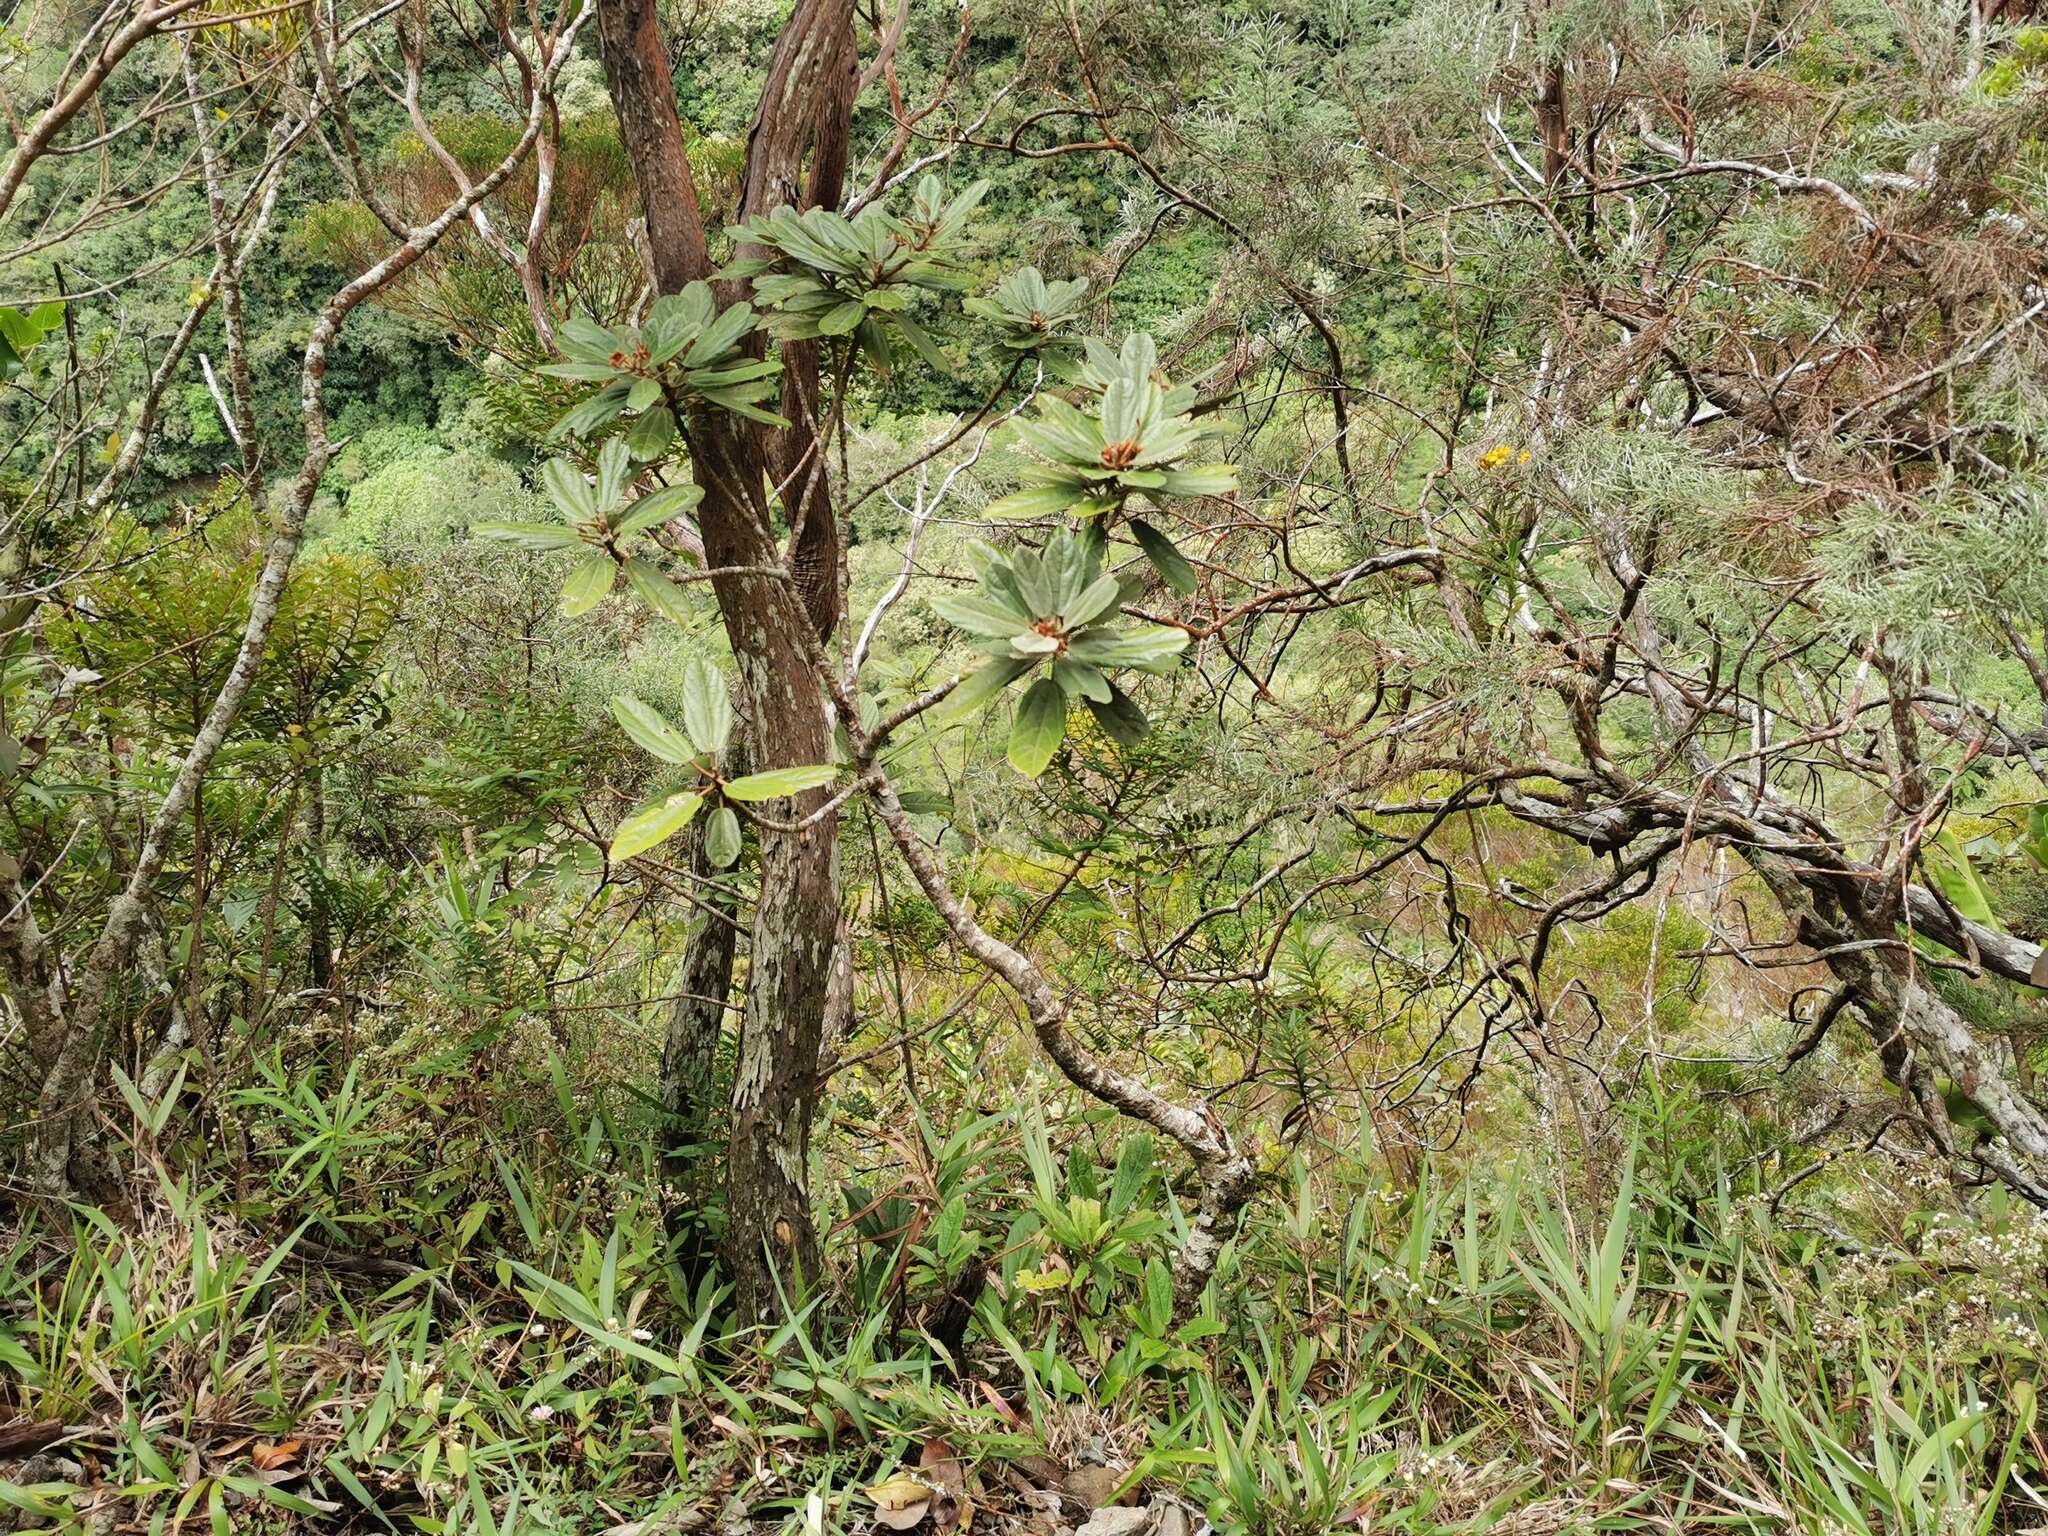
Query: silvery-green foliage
1643, 477
1937, 580
687, 354
1057, 609
832, 276
614, 532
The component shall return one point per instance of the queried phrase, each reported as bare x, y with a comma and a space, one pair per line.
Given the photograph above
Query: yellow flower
1493, 458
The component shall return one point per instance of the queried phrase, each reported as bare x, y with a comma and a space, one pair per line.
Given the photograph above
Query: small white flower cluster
1431, 1468
2023, 1244
1837, 1331
2018, 1332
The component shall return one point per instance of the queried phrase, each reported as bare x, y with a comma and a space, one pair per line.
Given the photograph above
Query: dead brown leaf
269, 1458
901, 1502
1095, 1487
948, 1479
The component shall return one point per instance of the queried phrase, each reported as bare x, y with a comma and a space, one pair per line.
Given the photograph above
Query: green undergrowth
352, 1323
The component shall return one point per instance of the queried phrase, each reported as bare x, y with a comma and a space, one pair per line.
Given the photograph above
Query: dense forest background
1033, 765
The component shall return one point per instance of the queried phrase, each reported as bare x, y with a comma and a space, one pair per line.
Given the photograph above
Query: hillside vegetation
1103, 767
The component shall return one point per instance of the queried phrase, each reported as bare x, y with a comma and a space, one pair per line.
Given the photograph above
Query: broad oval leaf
592, 413
583, 373
722, 838
567, 488
721, 335
842, 318
1144, 645
654, 824
707, 709
1121, 720
1079, 680
1202, 480
651, 730
901, 1502
773, 783
1172, 567
657, 591
1040, 726
614, 467
983, 684
651, 433
659, 506
588, 583
981, 614
582, 337
1036, 501
1098, 598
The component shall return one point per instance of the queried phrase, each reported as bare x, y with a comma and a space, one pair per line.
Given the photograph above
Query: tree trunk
770, 1231
773, 626
644, 97
689, 1054
696, 1022
1552, 122
690, 1090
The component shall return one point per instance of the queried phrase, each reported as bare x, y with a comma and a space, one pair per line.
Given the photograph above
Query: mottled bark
691, 1092
1922, 1042
1851, 915
796, 153
28, 965
689, 1055
696, 1020
644, 97
770, 1230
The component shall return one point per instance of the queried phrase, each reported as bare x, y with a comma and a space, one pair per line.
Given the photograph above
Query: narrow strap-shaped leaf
530, 535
